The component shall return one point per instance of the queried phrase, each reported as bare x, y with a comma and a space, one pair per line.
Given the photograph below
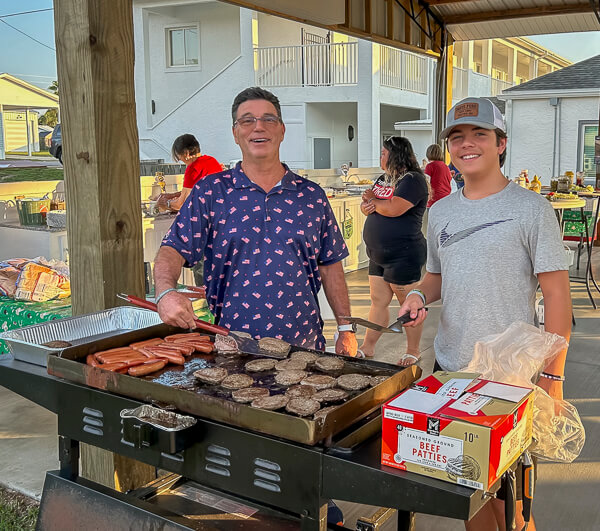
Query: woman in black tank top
396, 246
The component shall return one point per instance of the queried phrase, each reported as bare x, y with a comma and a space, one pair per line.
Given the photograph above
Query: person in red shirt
186, 149
439, 174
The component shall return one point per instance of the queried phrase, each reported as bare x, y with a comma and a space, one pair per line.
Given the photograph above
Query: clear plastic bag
516, 357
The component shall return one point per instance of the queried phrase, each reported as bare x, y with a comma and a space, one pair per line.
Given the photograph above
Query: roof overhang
414, 125
545, 94
420, 25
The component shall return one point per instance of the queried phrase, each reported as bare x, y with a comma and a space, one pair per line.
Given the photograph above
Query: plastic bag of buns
40, 283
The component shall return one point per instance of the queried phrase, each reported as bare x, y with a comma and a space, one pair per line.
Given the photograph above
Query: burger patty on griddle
353, 382
211, 375
319, 381
248, 394
270, 403
303, 407
290, 377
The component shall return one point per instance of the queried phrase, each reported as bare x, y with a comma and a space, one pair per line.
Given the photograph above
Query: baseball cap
474, 111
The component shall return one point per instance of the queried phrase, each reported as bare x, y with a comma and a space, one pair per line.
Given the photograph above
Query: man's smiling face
475, 150
260, 139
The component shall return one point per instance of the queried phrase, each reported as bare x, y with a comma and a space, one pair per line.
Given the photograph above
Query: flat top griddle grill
295, 479
177, 387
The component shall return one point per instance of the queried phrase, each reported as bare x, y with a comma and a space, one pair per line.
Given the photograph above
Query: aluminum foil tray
159, 418
26, 343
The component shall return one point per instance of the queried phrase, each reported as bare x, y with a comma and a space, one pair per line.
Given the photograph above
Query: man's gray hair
254, 93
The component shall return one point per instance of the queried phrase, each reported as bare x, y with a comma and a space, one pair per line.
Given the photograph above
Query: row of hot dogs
152, 355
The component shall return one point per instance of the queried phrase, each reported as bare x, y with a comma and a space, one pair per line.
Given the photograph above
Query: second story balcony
308, 65
336, 64
467, 83
403, 70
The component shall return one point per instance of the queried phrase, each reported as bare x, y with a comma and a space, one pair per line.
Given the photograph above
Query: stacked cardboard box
458, 428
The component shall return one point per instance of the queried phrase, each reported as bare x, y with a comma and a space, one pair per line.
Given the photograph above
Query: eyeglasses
250, 121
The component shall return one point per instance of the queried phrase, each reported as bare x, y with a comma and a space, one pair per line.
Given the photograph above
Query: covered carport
95, 54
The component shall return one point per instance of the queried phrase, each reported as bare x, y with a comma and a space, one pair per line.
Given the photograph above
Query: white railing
460, 83
498, 85
403, 70
314, 65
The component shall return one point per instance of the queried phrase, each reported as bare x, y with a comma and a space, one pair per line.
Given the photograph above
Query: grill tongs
245, 344
396, 327
200, 324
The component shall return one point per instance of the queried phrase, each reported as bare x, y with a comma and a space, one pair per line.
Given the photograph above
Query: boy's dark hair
401, 159
254, 93
435, 152
500, 135
185, 143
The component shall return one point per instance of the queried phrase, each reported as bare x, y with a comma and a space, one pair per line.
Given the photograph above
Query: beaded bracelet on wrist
554, 377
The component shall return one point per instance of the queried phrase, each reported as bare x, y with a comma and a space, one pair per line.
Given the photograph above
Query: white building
552, 122
484, 68
340, 97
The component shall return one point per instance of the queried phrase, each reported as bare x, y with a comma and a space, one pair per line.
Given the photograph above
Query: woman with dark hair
396, 246
439, 174
186, 149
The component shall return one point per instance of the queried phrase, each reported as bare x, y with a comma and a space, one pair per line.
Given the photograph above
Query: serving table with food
258, 433
567, 201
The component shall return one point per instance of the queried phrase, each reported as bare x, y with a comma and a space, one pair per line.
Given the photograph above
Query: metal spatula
245, 344
395, 327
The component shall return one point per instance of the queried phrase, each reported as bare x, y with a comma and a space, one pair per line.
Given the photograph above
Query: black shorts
501, 493
401, 266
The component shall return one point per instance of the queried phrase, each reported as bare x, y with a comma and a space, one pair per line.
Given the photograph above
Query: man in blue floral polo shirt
268, 237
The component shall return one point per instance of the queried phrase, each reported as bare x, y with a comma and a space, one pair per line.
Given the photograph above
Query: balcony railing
403, 70
498, 86
314, 65
460, 83
467, 83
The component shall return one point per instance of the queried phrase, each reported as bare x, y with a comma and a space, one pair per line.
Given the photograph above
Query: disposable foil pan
150, 426
26, 343
159, 418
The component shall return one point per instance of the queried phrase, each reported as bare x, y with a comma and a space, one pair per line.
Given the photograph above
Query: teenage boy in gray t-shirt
489, 245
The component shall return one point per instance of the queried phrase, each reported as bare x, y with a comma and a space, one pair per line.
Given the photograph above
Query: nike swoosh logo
449, 239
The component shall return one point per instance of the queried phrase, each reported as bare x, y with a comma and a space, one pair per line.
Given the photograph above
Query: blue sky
36, 63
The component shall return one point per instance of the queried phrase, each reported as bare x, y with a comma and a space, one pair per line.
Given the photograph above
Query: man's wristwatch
347, 328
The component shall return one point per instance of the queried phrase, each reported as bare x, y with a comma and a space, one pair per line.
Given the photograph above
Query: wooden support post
348, 12
389, 19
94, 51
443, 89
423, 21
95, 54
407, 22
368, 16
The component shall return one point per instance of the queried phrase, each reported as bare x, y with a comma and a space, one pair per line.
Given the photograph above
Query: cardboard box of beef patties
445, 383
470, 440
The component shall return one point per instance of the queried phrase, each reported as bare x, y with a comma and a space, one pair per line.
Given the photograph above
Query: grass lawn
13, 175
17, 512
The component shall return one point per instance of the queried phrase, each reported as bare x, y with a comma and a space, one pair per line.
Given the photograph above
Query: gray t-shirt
489, 252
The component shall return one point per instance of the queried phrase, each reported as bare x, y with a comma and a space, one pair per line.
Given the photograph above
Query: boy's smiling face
474, 150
